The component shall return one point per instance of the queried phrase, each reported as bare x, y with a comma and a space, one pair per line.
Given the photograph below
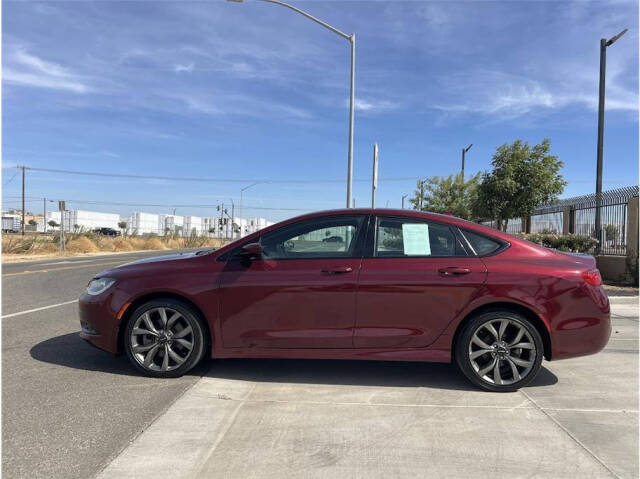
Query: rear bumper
588, 329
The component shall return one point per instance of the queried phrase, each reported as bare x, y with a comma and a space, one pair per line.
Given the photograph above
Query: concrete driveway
286, 418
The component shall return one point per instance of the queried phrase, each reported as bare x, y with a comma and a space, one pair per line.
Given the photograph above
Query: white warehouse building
192, 225
144, 223
85, 220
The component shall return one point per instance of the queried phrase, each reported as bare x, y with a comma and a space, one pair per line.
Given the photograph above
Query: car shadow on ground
71, 351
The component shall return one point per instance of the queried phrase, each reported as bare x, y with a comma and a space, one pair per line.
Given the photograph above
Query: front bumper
98, 320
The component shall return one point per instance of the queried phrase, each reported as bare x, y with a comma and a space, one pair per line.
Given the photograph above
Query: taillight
592, 277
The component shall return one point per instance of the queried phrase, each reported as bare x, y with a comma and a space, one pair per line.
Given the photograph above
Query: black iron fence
577, 215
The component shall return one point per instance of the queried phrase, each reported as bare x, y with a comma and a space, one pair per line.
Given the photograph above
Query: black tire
187, 318
483, 325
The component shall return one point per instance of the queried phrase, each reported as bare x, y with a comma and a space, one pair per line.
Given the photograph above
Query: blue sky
255, 91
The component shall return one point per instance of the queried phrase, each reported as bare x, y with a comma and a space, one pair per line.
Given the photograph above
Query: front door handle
453, 271
339, 270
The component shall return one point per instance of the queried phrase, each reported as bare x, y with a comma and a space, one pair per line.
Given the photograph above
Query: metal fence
547, 222
581, 211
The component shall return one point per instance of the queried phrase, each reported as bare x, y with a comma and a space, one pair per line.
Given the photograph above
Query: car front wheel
499, 351
164, 338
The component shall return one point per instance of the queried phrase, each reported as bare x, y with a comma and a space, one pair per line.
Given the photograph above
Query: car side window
482, 244
406, 237
328, 237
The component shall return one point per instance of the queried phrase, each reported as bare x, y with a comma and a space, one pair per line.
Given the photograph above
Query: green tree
611, 232
123, 226
53, 224
523, 178
449, 195
32, 222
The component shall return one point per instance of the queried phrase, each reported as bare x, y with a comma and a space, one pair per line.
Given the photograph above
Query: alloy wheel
161, 339
502, 351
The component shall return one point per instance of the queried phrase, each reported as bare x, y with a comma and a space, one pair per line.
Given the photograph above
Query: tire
147, 339
487, 340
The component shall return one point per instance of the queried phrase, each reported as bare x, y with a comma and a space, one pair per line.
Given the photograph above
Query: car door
301, 292
416, 279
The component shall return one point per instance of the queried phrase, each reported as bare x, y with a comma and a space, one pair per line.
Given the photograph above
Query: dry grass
87, 243
82, 245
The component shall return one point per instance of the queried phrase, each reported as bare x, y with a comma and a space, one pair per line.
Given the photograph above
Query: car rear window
482, 245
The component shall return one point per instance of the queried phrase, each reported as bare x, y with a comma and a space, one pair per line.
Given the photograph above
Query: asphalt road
67, 408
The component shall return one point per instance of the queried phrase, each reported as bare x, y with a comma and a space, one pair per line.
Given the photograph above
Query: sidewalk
287, 418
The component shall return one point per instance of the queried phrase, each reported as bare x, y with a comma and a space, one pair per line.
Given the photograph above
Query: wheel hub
501, 350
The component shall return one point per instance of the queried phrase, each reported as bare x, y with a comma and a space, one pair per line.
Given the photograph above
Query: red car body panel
383, 308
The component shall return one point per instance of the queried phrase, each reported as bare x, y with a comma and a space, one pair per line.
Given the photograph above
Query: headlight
99, 285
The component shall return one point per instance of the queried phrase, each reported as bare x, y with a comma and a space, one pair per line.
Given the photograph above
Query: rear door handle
340, 270
453, 271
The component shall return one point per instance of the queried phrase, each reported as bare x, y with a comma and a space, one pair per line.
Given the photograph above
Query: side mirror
252, 249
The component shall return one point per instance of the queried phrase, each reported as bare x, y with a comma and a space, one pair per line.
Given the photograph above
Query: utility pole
374, 181
403, 197
61, 207
464, 152
233, 207
221, 218
44, 215
604, 43
421, 194
23, 168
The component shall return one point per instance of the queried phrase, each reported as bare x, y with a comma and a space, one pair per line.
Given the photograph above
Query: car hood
156, 259
153, 264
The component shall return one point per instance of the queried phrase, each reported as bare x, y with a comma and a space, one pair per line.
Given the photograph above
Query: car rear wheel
164, 338
499, 351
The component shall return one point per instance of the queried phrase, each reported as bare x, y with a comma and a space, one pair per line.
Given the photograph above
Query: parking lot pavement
287, 418
67, 408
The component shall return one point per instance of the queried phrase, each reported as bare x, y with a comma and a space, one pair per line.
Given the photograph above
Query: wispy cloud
374, 105
507, 96
30, 70
184, 68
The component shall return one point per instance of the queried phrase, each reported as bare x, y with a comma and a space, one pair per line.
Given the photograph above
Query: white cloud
184, 68
366, 105
29, 70
505, 96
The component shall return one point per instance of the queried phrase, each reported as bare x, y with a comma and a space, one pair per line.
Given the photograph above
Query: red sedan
393, 285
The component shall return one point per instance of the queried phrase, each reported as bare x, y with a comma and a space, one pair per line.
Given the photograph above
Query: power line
153, 205
235, 180
7, 182
202, 179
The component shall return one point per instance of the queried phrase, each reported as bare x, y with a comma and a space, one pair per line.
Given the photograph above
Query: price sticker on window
415, 237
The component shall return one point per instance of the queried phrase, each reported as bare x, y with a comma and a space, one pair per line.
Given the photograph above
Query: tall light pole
403, 197
352, 40
604, 43
464, 152
242, 204
374, 180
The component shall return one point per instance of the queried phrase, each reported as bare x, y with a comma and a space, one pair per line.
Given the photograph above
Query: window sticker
415, 237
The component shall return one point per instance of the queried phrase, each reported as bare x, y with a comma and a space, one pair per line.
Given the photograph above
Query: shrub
571, 243
81, 245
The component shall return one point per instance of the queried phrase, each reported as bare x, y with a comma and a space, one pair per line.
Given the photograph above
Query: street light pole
403, 197
242, 204
464, 152
604, 43
352, 40
374, 176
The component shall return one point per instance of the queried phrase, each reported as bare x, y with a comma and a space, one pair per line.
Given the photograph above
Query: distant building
89, 220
